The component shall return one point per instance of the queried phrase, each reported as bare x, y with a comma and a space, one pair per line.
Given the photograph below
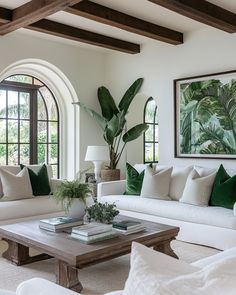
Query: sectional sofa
36, 207
211, 226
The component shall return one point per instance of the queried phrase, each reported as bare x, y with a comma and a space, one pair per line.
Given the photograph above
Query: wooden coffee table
72, 255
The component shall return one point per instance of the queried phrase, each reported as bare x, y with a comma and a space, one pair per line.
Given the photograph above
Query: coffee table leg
67, 276
166, 249
19, 254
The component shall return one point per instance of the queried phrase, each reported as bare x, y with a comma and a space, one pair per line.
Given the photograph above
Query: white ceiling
138, 8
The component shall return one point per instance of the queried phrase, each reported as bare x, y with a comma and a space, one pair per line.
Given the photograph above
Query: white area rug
98, 279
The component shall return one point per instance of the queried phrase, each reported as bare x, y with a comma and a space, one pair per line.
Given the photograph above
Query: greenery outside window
151, 135
29, 123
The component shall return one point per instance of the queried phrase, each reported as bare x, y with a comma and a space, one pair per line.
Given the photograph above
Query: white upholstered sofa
210, 226
36, 207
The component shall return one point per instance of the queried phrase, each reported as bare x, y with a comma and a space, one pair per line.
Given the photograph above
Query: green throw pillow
134, 180
39, 181
224, 190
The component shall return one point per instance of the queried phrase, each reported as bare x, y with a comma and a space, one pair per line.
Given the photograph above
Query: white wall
203, 52
83, 67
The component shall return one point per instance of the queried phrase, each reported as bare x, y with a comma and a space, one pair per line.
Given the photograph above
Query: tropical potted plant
74, 196
113, 122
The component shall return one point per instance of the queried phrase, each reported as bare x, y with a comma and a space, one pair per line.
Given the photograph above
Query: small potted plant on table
103, 213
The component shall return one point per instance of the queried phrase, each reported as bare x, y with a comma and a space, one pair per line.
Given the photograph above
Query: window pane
12, 131
24, 105
42, 115
52, 151
53, 132
24, 153
150, 111
42, 153
13, 154
24, 131
2, 103
156, 133
2, 130
3, 154
12, 104
149, 134
156, 117
148, 152
156, 152
54, 171
50, 103
42, 132
20, 78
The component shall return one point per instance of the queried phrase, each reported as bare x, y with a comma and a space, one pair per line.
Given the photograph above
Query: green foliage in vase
113, 120
70, 190
104, 213
208, 117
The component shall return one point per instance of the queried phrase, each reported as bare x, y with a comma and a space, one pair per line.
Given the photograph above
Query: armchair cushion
39, 286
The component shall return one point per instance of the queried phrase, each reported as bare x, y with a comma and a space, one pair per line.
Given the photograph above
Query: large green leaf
135, 132
102, 122
114, 127
130, 94
107, 103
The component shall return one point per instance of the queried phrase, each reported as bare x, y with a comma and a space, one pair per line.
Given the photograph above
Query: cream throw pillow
198, 189
149, 268
156, 184
16, 187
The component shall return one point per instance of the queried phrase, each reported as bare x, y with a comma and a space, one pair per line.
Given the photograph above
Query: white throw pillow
178, 180
204, 171
156, 184
198, 189
16, 187
149, 267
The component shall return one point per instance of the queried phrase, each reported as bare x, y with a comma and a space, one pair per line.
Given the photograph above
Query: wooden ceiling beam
76, 34
124, 21
202, 11
72, 33
33, 11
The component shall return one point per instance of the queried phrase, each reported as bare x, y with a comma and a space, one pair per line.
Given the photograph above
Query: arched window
29, 123
151, 135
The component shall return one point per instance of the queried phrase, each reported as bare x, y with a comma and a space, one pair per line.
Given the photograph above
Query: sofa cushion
216, 216
39, 181
15, 187
28, 207
149, 267
224, 190
198, 189
178, 180
156, 184
134, 180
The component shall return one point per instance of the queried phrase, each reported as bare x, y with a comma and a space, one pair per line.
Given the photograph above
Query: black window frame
154, 141
33, 90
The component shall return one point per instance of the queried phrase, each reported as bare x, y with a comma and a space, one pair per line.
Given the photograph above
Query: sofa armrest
54, 183
39, 286
111, 188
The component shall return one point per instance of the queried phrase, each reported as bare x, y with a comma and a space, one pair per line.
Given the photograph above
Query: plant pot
77, 209
110, 174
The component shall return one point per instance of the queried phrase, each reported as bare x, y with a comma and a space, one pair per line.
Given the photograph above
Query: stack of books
61, 223
128, 227
93, 232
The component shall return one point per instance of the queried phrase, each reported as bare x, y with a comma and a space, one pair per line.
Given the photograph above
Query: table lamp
97, 154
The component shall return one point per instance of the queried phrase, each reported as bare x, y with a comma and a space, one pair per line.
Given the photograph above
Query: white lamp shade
97, 153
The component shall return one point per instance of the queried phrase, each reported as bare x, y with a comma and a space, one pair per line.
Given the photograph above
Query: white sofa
37, 207
210, 226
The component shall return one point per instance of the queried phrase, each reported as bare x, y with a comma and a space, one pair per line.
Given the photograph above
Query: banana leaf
135, 132
102, 122
107, 103
130, 94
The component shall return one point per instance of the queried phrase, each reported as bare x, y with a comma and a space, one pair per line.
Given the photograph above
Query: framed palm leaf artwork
205, 116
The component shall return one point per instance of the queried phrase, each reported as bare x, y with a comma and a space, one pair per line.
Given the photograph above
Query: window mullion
33, 127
